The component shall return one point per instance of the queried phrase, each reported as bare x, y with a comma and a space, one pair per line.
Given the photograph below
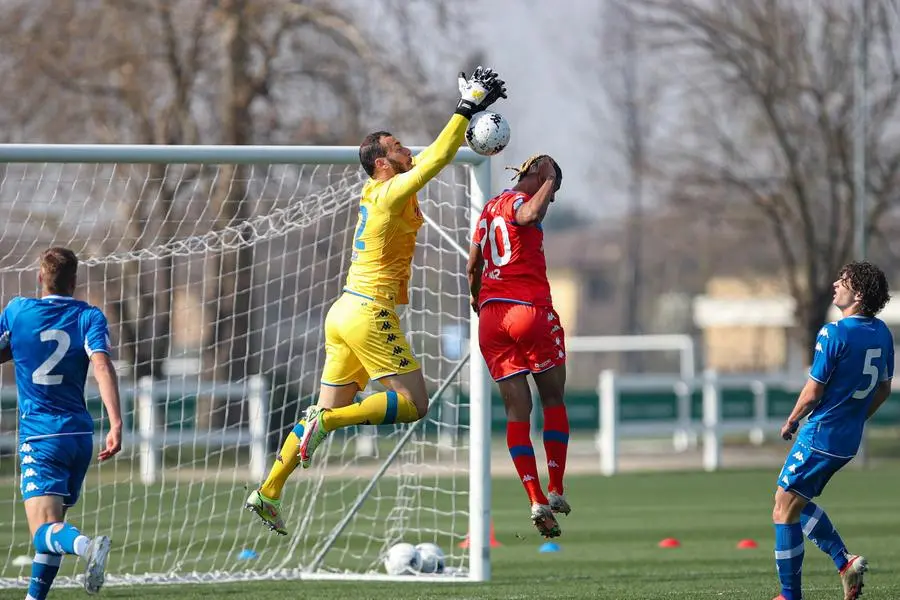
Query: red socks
556, 445
518, 440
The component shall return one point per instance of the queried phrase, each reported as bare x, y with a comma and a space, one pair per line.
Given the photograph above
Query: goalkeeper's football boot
95, 571
267, 509
544, 521
313, 435
852, 576
558, 503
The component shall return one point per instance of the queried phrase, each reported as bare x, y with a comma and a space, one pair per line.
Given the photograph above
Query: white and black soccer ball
402, 559
431, 557
487, 133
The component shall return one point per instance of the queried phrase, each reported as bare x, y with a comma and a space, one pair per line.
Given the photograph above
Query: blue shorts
55, 466
806, 471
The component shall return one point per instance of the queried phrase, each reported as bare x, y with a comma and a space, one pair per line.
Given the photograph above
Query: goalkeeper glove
479, 91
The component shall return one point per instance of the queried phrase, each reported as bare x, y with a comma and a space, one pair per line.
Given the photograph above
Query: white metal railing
154, 436
151, 434
710, 427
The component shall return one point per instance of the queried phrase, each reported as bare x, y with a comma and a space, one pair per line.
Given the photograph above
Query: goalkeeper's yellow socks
285, 463
377, 409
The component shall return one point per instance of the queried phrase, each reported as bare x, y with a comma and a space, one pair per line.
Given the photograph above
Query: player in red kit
519, 332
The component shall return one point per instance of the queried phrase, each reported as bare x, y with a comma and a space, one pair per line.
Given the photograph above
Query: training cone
494, 542
747, 544
669, 543
247, 554
549, 547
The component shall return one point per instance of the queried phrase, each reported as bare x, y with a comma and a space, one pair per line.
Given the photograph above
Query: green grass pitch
609, 545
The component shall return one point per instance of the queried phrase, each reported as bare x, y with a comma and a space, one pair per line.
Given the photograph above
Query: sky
542, 48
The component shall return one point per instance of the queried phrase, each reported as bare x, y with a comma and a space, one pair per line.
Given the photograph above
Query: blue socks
789, 558
60, 538
818, 528
52, 540
44, 568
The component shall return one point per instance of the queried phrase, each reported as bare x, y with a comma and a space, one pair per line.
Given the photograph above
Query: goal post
215, 266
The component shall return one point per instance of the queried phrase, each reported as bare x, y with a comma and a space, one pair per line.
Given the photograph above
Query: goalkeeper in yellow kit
363, 338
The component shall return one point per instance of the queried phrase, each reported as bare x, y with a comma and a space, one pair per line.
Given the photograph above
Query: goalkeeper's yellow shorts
363, 341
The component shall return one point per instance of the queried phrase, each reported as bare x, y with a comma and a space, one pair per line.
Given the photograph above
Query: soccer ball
487, 133
402, 559
432, 558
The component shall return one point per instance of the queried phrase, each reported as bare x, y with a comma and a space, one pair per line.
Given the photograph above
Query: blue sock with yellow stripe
381, 408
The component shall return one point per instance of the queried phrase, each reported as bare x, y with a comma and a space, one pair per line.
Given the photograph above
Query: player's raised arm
475, 268
476, 94
533, 211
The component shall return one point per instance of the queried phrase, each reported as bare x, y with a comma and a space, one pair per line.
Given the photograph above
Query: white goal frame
479, 179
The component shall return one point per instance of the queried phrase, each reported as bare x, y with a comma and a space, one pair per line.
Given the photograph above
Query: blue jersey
852, 357
52, 339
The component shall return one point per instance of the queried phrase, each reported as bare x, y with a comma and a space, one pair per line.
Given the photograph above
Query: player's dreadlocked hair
522, 170
869, 282
370, 149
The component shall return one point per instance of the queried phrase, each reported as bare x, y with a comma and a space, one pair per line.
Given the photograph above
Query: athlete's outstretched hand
479, 91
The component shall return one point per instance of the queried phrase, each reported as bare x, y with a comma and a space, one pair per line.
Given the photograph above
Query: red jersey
514, 266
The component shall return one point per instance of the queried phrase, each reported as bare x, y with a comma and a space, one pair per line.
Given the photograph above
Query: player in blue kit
52, 340
849, 380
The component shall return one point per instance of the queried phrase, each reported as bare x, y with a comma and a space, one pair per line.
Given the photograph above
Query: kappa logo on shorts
543, 364
383, 313
31, 487
385, 326
26, 447
27, 460
555, 328
398, 349
29, 473
404, 363
391, 337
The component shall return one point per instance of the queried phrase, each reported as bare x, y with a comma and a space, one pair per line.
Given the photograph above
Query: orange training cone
494, 543
747, 544
669, 543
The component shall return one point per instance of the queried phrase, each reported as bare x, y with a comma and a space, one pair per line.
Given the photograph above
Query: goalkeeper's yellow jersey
389, 218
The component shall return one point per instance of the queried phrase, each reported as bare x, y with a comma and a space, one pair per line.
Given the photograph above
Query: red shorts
520, 338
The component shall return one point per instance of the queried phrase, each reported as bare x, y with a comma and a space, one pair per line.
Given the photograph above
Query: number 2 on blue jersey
363, 215
41, 375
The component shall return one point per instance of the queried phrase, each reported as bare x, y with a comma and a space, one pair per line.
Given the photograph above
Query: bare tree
769, 95
631, 94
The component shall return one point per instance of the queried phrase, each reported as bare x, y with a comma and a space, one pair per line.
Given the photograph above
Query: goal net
215, 268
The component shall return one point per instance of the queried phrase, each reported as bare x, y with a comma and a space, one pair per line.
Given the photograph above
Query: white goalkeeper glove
479, 91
